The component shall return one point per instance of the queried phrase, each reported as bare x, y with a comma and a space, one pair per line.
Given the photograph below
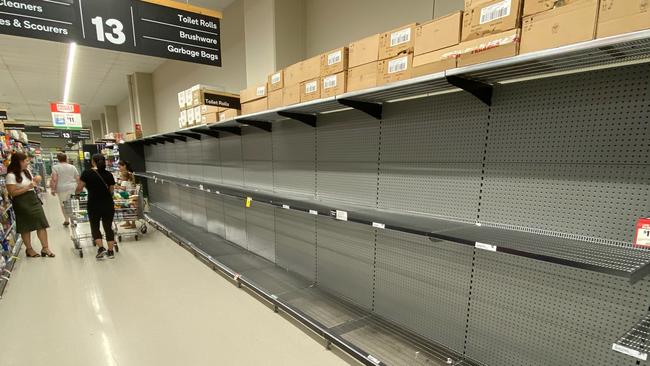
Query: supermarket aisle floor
154, 304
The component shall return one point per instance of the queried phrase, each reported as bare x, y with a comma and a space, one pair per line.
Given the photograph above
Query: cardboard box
276, 81
209, 118
291, 94
310, 69
228, 114
253, 93
438, 34
181, 100
188, 98
334, 61
197, 114
623, 16
485, 17
561, 26
436, 61
395, 69
310, 90
182, 119
397, 41
332, 85
363, 51
190, 116
255, 106
537, 6
490, 48
292, 75
362, 77
205, 109
275, 99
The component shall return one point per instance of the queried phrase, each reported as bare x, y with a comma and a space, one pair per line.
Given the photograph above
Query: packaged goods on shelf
254, 106
276, 81
537, 6
363, 51
485, 17
209, 118
490, 48
292, 75
310, 69
623, 16
332, 85
205, 109
253, 93
438, 34
275, 99
362, 77
436, 61
181, 100
190, 116
310, 90
188, 98
227, 114
397, 41
334, 61
197, 115
395, 69
291, 94
182, 119
130, 136
561, 26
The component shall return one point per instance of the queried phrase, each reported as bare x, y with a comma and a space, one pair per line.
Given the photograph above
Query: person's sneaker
101, 253
110, 254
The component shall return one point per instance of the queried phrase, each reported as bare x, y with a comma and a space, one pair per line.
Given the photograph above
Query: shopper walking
27, 206
100, 185
64, 182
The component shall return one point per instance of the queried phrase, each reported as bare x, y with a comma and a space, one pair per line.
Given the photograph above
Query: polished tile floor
154, 304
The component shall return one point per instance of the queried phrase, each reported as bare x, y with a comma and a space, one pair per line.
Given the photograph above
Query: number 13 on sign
116, 34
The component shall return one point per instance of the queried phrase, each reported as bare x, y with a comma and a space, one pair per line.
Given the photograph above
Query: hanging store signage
65, 115
14, 126
83, 134
134, 26
219, 100
3, 116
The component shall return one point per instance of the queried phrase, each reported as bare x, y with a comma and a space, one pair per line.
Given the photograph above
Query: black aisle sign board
66, 134
133, 26
3, 116
219, 100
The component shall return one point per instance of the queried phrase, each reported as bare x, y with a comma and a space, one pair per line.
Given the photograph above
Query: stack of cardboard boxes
202, 104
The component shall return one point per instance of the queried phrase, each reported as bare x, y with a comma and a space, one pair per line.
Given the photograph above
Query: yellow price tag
248, 202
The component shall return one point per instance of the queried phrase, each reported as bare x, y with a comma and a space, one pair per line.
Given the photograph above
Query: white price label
311, 87
260, 91
334, 58
378, 225
399, 37
643, 237
488, 247
495, 11
329, 82
341, 215
630, 352
313, 212
217, 192
286, 207
373, 359
201, 186
397, 65
275, 78
207, 190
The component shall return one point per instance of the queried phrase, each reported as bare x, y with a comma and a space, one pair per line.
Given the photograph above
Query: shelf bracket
263, 125
192, 135
163, 140
308, 119
373, 109
208, 132
232, 130
175, 137
478, 89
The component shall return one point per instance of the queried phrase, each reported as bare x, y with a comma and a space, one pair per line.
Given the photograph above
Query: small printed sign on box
642, 234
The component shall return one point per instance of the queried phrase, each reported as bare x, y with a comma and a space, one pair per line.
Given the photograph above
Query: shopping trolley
76, 207
129, 209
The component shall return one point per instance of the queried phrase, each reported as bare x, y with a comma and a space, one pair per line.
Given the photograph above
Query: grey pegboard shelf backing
562, 159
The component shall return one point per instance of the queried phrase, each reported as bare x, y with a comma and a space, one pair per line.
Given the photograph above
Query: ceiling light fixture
68, 76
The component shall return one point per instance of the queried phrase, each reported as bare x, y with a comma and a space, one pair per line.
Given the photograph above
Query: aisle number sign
65, 115
174, 30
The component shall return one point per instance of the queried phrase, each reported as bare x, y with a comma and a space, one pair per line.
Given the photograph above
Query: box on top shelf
188, 98
537, 6
310, 68
362, 77
292, 75
395, 69
489, 48
254, 106
181, 99
561, 26
228, 114
291, 95
484, 17
436, 61
332, 85
275, 99
310, 90
190, 116
209, 118
363, 51
197, 114
623, 16
334, 61
397, 41
276, 81
438, 34
182, 119
252, 93
209, 109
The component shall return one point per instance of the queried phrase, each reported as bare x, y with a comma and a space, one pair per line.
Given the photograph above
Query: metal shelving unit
627, 262
368, 338
636, 342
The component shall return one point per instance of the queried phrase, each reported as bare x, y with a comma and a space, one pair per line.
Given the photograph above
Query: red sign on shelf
642, 234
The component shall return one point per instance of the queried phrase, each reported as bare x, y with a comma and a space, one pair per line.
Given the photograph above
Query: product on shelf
254, 106
291, 94
310, 90
438, 34
489, 48
363, 51
362, 77
332, 85
561, 26
623, 16
275, 99
334, 61
484, 17
276, 81
397, 41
